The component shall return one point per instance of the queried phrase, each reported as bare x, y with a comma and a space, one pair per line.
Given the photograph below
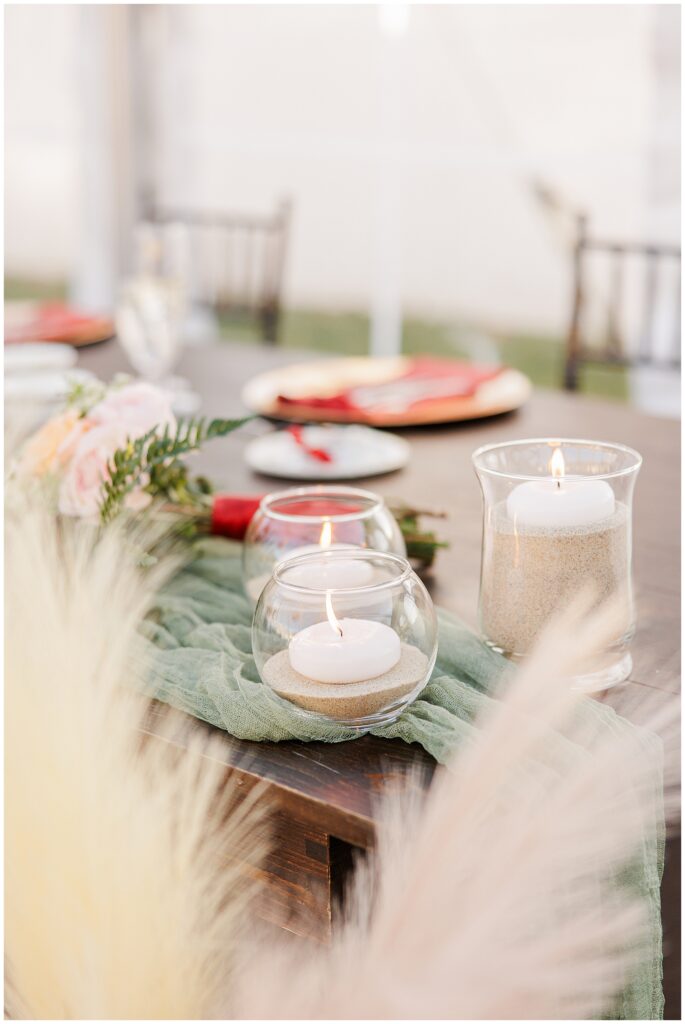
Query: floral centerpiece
119, 447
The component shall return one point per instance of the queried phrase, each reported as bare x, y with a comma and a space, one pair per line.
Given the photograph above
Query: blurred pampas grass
493, 897
122, 889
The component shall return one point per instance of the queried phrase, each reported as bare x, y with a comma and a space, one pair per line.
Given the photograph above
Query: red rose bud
231, 514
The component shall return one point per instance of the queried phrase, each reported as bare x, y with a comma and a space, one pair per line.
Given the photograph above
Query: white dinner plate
356, 452
34, 356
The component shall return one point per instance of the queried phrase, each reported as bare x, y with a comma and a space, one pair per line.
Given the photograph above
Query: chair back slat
614, 334
656, 261
644, 352
236, 261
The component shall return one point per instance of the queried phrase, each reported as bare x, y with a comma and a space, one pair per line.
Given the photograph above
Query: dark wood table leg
305, 876
296, 876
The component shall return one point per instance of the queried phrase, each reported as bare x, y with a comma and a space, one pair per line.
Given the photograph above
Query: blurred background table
325, 793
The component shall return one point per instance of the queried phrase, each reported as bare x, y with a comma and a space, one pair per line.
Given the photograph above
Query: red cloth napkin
428, 379
320, 454
231, 513
55, 321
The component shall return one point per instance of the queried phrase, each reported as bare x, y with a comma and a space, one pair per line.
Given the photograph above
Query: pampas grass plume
122, 893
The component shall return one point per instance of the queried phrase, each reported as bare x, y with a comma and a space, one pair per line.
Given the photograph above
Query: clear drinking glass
345, 636
151, 303
557, 519
303, 519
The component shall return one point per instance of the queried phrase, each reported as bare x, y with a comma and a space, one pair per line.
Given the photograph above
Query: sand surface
529, 573
347, 701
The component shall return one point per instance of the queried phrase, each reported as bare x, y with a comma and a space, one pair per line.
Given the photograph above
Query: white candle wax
557, 503
365, 649
329, 573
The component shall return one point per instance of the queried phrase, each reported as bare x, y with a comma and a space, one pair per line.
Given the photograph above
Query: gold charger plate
324, 377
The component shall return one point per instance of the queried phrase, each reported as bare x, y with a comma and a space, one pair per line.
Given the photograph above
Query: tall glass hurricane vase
557, 520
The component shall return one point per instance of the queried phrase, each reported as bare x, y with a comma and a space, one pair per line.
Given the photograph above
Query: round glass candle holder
557, 520
357, 655
306, 519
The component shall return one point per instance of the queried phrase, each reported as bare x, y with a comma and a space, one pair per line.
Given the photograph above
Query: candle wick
559, 484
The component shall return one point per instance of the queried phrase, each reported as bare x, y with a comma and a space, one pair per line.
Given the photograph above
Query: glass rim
477, 456
373, 502
358, 554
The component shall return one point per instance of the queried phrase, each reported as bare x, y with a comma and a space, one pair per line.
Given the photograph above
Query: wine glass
152, 303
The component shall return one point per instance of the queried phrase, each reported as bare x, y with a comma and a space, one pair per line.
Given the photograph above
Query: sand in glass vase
528, 572
353, 701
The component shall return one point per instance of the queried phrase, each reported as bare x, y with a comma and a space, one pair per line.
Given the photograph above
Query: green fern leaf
141, 456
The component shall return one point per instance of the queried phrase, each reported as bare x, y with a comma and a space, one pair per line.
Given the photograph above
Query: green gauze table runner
201, 656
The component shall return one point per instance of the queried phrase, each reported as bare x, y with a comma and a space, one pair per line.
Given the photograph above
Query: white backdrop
408, 156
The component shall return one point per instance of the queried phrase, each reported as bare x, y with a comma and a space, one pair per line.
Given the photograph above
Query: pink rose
80, 491
139, 407
123, 415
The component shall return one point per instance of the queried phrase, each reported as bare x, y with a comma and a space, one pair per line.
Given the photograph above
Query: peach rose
139, 407
51, 447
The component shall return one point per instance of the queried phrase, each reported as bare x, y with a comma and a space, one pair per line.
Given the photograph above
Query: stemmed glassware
152, 305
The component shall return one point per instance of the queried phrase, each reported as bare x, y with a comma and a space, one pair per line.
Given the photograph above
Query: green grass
543, 360
18, 289
540, 357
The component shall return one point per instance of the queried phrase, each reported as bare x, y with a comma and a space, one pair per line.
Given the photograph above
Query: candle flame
335, 625
326, 531
557, 464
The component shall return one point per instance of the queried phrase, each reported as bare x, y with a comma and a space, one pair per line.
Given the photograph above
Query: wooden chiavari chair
235, 262
612, 349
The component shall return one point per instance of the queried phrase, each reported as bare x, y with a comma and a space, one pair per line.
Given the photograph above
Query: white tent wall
43, 153
253, 103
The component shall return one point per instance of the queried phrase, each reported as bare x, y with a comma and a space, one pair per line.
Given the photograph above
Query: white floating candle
562, 501
345, 651
329, 574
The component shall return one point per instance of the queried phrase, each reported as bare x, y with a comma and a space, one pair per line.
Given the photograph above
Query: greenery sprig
422, 545
156, 457
194, 518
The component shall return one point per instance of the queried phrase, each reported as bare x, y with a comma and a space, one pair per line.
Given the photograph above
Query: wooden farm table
324, 793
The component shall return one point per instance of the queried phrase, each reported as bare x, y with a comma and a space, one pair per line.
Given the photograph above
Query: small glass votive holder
302, 520
557, 520
344, 636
